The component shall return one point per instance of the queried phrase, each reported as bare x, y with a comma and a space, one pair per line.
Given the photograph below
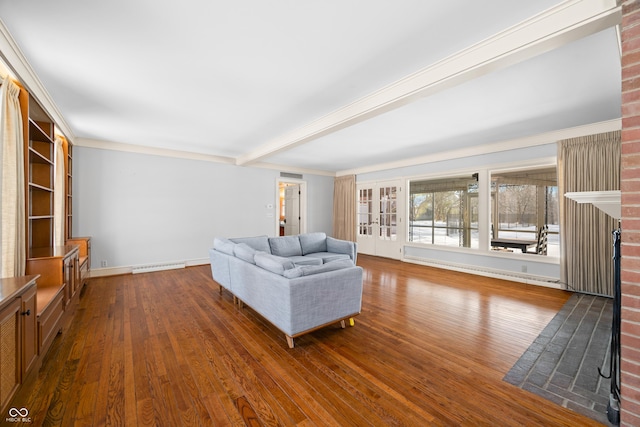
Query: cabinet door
9, 351
29, 329
67, 274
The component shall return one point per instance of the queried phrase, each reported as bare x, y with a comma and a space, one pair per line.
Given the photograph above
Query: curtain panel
12, 187
59, 193
344, 208
590, 163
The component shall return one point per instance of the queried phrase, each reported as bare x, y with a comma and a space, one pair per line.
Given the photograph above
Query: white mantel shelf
607, 201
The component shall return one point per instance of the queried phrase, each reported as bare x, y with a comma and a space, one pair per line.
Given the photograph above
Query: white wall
143, 209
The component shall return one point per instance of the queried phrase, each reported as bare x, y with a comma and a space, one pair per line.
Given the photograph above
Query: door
380, 213
292, 210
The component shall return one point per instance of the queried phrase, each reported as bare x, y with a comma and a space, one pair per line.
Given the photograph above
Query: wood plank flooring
167, 349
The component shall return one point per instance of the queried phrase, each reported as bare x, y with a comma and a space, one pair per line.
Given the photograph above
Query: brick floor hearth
562, 363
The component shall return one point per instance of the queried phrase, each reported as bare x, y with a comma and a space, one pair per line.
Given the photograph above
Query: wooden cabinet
84, 257
29, 312
9, 351
17, 331
60, 267
57, 289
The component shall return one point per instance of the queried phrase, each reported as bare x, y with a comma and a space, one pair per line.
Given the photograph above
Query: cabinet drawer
49, 321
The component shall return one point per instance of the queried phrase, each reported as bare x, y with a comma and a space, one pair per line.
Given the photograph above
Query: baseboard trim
528, 279
117, 271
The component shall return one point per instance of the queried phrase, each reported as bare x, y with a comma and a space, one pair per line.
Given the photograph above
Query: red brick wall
630, 185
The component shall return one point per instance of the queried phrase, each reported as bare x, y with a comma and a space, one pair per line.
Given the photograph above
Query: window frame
484, 208
465, 232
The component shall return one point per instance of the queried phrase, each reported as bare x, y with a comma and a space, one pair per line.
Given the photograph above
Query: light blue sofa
298, 283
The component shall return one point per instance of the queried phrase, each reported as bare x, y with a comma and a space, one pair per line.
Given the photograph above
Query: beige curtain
344, 208
13, 262
59, 193
590, 163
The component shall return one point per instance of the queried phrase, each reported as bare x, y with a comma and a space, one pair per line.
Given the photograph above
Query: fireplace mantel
606, 201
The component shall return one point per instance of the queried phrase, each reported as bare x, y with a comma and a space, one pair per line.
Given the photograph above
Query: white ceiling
257, 80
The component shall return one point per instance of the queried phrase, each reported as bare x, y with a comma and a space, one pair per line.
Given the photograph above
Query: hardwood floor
430, 348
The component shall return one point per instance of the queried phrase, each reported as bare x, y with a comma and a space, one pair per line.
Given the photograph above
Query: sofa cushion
308, 270
305, 260
259, 243
244, 252
328, 256
313, 242
285, 246
223, 245
273, 263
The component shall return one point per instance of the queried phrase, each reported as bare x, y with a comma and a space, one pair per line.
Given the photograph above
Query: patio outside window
444, 212
524, 201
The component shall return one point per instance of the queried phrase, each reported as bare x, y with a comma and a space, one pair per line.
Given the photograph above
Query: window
444, 211
524, 205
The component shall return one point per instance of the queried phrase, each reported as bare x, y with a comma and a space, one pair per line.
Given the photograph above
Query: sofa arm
324, 298
220, 268
342, 247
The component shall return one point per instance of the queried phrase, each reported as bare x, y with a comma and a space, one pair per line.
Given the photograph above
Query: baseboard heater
488, 272
157, 267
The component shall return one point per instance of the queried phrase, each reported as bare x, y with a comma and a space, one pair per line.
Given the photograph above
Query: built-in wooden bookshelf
57, 263
40, 184
55, 271
68, 150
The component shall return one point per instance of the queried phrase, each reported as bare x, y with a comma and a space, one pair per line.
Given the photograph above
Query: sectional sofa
298, 283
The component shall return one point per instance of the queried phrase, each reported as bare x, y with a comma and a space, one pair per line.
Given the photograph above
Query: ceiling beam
496, 147
569, 21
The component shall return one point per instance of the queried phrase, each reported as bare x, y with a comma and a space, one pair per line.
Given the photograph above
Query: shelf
37, 157
35, 186
36, 133
607, 201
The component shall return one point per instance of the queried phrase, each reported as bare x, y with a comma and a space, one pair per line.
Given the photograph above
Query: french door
380, 219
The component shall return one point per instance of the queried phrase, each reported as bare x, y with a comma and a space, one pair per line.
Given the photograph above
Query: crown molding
555, 27
177, 154
141, 149
16, 60
512, 144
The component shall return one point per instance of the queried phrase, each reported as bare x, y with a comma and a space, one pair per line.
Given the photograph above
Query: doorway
380, 219
292, 202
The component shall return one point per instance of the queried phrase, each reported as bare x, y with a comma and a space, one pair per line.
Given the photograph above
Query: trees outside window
522, 202
444, 212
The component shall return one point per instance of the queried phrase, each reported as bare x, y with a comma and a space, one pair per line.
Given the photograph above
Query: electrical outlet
103, 263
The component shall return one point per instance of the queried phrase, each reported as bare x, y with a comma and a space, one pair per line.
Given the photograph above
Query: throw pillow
313, 242
272, 263
285, 246
223, 245
244, 252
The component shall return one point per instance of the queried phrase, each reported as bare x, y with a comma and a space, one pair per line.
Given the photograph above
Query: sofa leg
220, 289
289, 341
342, 324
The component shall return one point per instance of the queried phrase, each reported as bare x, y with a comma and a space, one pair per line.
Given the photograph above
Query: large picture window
444, 211
524, 211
